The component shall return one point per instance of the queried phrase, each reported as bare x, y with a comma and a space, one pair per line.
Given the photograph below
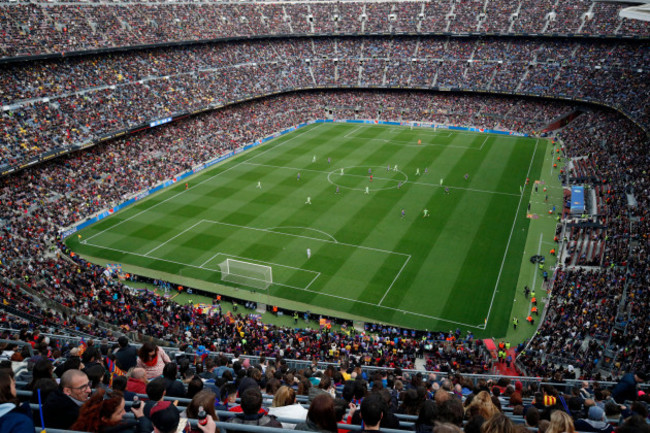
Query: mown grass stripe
443, 250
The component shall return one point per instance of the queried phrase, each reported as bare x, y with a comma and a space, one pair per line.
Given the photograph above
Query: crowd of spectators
578, 320
44, 28
37, 202
595, 315
59, 103
62, 103
93, 385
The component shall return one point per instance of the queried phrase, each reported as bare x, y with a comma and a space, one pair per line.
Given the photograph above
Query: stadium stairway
501, 368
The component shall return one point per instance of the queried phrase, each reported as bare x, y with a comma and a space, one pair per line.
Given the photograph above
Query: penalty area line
426, 316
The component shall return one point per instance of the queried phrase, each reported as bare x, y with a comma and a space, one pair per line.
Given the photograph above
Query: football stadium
324, 215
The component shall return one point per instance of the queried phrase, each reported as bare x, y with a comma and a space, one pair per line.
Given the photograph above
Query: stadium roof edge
641, 13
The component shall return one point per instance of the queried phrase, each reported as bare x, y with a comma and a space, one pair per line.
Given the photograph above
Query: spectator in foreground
173, 386
284, 405
626, 388
321, 416
194, 386
61, 409
451, 412
482, 405
372, 411
152, 359
126, 355
532, 417
474, 424
119, 385
166, 419
498, 423
104, 415
12, 419
544, 425
155, 394
228, 396
427, 417
43, 369
251, 404
595, 421
324, 386
634, 424
45, 386
205, 399
561, 422
137, 381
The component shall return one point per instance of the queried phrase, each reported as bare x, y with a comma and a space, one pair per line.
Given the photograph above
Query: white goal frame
246, 273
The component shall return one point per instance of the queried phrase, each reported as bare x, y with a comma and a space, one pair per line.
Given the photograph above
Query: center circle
377, 172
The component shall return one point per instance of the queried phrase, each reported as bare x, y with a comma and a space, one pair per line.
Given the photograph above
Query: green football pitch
374, 256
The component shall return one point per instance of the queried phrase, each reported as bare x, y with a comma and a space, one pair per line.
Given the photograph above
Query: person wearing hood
595, 422
12, 419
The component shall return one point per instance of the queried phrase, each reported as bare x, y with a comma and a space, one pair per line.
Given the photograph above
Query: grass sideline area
457, 268
226, 307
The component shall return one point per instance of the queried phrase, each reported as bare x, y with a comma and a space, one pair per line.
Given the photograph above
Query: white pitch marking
254, 260
308, 237
170, 239
200, 183
384, 178
395, 279
306, 228
299, 288
505, 253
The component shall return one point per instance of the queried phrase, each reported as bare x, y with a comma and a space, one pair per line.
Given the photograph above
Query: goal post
246, 273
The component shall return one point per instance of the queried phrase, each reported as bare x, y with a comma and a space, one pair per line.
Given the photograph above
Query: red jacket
136, 385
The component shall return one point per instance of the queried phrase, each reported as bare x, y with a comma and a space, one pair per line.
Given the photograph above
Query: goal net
246, 274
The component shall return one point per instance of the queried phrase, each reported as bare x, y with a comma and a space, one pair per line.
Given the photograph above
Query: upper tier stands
60, 104
43, 27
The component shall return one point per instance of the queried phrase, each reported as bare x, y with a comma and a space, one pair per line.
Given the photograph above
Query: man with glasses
61, 409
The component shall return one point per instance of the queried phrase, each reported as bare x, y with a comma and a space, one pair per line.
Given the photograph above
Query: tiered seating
585, 245
57, 105
81, 99
44, 27
457, 400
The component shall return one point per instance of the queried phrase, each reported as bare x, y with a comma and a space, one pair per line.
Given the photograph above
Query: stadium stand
66, 281
53, 105
178, 58
405, 393
36, 28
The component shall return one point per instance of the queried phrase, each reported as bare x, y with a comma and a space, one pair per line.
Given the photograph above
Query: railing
369, 370
20, 343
